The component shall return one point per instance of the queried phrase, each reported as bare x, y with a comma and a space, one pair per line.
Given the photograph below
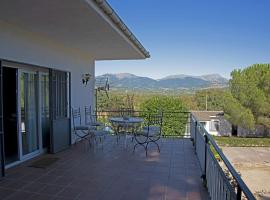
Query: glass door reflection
29, 112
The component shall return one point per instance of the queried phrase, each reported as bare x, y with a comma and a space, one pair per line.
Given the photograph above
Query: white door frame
40, 74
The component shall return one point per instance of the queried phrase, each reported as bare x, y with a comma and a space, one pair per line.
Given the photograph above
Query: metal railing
175, 124
222, 180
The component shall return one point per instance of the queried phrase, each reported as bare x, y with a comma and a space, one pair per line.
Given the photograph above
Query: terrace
112, 171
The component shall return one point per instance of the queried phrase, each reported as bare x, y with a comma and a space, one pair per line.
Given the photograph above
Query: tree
210, 99
189, 101
236, 113
114, 102
250, 89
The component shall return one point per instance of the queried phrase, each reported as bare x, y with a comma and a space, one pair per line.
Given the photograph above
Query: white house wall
21, 46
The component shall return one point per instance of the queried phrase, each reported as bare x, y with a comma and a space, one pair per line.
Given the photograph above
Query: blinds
59, 89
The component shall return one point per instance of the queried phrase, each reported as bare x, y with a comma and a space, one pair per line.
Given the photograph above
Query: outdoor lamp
85, 78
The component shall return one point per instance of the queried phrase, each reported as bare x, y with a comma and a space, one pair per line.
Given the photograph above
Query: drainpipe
2, 155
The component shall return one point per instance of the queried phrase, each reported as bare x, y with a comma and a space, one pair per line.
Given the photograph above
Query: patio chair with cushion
97, 129
81, 131
150, 133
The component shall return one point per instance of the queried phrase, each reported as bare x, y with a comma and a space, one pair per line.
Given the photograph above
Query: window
203, 123
214, 125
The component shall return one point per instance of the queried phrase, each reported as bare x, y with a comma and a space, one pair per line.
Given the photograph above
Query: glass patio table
126, 123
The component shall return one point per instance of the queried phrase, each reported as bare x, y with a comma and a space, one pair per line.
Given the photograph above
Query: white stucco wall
21, 46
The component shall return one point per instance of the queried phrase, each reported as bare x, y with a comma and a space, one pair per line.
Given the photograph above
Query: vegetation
175, 116
246, 102
250, 96
242, 142
210, 99
174, 111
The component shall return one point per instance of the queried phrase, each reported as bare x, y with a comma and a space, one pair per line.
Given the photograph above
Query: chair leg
146, 149
144, 146
157, 146
76, 140
117, 135
89, 141
135, 147
155, 142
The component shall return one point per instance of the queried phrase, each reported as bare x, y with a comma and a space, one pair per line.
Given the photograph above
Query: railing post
239, 193
195, 136
205, 156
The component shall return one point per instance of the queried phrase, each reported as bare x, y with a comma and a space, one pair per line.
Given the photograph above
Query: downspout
2, 154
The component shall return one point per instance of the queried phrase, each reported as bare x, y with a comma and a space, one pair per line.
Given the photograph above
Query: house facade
46, 47
214, 122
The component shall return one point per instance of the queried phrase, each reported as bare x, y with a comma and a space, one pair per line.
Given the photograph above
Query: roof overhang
89, 26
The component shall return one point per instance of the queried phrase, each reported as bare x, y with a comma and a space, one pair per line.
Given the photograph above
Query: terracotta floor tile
70, 192
112, 172
33, 187
20, 195
51, 190
4, 193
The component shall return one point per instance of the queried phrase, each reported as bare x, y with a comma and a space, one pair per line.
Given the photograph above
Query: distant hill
173, 82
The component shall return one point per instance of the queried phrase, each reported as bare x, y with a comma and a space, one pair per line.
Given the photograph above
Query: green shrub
174, 117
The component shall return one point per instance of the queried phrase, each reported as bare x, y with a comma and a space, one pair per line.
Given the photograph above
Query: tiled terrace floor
111, 173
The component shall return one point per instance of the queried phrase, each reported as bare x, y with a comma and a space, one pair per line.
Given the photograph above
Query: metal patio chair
97, 129
80, 131
150, 133
90, 118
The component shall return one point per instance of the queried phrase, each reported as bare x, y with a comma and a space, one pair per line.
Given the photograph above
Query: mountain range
174, 82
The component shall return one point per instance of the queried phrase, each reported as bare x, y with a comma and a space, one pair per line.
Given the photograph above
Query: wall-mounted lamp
85, 78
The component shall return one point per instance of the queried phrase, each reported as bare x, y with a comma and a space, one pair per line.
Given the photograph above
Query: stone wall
225, 127
258, 132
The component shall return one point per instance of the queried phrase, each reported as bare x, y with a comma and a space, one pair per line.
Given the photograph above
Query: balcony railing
175, 124
222, 180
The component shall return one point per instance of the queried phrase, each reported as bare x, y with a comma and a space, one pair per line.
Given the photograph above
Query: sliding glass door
38, 104
29, 136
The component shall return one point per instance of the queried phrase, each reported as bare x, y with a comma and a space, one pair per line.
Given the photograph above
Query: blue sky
194, 37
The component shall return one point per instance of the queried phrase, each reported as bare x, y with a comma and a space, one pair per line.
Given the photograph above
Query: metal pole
205, 156
206, 99
96, 93
195, 136
239, 193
